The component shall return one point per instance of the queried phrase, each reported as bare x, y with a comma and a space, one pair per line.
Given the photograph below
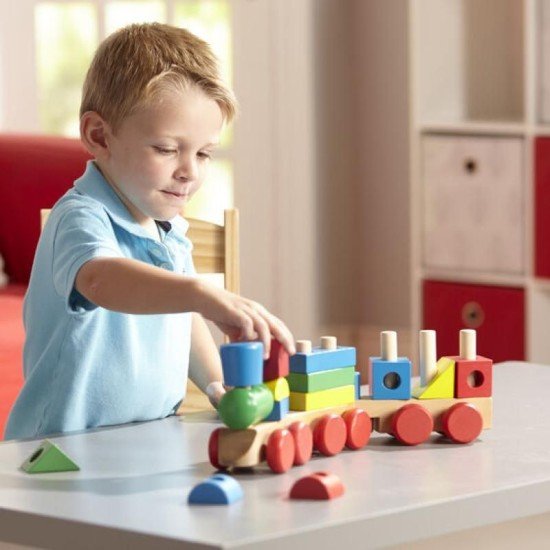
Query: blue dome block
243, 363
217, 489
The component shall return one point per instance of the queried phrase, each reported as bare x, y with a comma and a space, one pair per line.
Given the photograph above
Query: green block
322, 380
240, 408
48, 458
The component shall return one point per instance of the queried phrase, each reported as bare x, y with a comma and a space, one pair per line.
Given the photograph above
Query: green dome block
48, 457
265, 401
240, 408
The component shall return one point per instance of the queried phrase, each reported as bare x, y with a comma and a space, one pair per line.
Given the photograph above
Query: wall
381, 167
336, 186
362, 125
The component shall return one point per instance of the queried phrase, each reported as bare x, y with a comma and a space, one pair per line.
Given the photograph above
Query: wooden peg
428, 356
388, 345
328, 342
468, 344
303, 346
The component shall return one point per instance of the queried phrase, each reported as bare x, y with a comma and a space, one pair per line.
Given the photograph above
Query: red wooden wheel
412, 424
329, 434
213, 445
462, 423
280, 451
303, 441
359, 428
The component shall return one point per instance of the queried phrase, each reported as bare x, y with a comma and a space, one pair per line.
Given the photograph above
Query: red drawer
497, 314
542, 207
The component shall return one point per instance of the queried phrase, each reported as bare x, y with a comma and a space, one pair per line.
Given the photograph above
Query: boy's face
159, 156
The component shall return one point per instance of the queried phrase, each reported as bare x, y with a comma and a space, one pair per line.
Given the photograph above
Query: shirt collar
93, 184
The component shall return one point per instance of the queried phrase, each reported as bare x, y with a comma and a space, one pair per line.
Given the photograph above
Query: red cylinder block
412, 424
213, 446
358, 427
462, 423
303, 442
329, 434
280, 451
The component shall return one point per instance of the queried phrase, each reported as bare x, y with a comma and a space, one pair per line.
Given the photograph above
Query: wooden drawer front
497, 314
473, 204
542, 207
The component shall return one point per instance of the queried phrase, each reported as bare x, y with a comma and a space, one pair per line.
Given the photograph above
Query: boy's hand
240, 318
215, 391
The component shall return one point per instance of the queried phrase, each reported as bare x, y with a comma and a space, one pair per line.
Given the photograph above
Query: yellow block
320, 399
279, 388
443, 384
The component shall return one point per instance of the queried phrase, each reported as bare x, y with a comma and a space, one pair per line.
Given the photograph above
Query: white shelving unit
479, 73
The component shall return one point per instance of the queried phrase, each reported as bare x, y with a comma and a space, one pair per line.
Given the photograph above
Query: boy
113, 313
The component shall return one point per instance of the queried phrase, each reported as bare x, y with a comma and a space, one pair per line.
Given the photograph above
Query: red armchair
35, 171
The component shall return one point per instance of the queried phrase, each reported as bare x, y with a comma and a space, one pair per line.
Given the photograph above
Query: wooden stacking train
284, 409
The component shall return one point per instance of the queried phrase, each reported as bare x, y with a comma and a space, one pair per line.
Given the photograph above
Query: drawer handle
472, 315
470, 165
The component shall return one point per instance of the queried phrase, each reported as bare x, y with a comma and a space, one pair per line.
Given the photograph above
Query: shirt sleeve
81, 234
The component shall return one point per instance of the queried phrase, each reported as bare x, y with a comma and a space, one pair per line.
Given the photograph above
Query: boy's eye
204, 155
164, 150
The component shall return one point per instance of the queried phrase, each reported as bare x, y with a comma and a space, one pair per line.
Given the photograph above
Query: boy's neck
148, 224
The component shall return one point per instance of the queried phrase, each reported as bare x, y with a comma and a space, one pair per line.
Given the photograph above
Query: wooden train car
292, 440
327, 431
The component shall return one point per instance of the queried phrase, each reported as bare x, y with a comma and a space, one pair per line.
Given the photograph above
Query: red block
317, 486
359, 428
277, 366
280, 451
473, 378
303, 442
412, 424
462, 423
329, 434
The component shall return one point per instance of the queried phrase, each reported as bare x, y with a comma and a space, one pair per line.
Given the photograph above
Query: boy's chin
166, 216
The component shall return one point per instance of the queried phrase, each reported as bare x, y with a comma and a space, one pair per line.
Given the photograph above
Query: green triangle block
48, 458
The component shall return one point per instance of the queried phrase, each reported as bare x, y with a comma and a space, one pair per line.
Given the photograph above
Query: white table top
134, 480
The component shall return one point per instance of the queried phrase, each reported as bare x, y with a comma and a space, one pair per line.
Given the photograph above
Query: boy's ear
94, 133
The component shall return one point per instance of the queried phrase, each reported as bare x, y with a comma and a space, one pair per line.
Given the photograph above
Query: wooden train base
292, 440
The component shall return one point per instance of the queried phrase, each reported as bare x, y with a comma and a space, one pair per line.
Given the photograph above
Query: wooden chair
215, 247
215, 250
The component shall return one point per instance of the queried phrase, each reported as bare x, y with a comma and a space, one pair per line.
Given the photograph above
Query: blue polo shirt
86, 366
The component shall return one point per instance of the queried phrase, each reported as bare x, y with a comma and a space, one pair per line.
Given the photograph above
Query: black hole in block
392, 380
475, 379
36, 455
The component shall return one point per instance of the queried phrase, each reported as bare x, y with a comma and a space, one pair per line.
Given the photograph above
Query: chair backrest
215, 247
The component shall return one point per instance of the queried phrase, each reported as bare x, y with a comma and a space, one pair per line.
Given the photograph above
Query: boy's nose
187, 170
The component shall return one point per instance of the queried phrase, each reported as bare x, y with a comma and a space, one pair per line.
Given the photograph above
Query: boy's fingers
281, 332
262, 329
246, 326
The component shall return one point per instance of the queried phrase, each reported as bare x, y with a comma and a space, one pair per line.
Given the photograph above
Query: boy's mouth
176, 194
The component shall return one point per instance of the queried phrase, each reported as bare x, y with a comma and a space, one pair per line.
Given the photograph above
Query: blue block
322, 359
243, 363
397, 385
280, 410
217, 489
357, 386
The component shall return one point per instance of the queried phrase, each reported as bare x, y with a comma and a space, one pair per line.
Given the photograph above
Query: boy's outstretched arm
205, 368
131, 286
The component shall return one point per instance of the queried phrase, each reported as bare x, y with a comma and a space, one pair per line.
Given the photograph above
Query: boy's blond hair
135, 64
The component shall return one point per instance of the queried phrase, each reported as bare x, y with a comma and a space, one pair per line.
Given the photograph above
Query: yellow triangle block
443, 384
